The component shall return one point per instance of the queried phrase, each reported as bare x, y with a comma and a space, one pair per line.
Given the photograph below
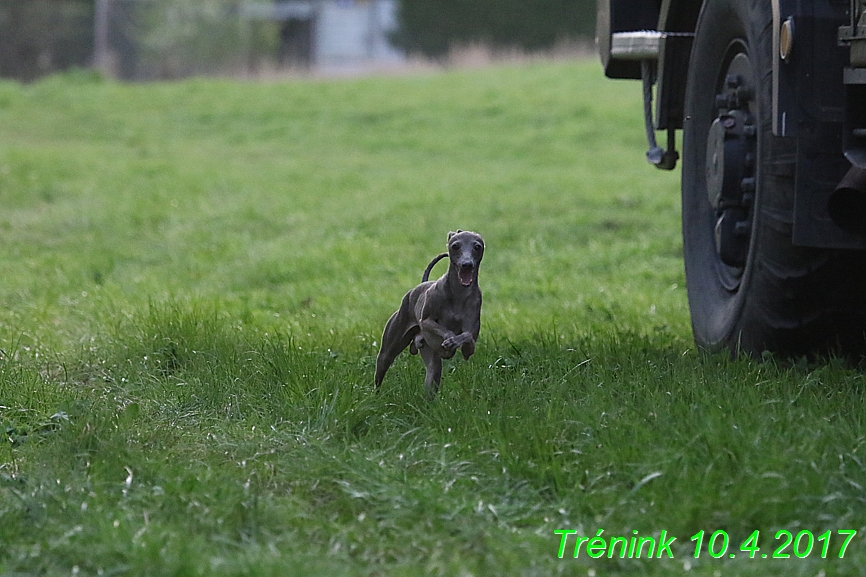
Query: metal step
640, 45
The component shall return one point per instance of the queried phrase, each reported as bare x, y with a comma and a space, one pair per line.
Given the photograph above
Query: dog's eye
477, 246
455, 246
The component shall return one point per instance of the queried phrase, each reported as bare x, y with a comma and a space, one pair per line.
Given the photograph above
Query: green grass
195, 277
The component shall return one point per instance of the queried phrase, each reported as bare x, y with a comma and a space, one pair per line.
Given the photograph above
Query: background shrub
431, 27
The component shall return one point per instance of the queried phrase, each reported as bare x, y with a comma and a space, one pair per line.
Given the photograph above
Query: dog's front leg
460, 340
469, 336
434, 334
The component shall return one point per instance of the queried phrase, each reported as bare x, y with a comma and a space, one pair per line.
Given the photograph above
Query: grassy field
195, 277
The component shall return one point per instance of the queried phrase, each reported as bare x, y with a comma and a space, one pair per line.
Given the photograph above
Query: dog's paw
451, 343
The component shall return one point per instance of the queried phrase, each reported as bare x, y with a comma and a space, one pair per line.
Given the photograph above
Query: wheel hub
730, 168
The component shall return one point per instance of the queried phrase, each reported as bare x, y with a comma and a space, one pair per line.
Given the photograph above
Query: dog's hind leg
394, 340
433, 362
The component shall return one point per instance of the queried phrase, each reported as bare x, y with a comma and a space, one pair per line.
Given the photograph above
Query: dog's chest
456, 311
452, 320
460, 313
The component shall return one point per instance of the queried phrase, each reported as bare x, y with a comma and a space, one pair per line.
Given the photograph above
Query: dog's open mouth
466, 276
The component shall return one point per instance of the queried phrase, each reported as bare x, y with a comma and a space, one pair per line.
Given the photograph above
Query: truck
770, 99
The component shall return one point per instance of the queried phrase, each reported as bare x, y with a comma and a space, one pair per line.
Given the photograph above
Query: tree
38, 37
432, 27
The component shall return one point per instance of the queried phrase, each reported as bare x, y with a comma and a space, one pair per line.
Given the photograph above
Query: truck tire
750, 289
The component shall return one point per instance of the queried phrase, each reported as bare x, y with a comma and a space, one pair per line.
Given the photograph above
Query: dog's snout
467, 265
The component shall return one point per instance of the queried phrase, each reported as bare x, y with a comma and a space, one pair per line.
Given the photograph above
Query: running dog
438, 317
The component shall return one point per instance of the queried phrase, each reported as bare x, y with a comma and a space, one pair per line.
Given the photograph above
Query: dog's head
465, 249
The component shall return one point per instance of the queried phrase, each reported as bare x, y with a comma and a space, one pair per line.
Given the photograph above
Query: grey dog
438, 317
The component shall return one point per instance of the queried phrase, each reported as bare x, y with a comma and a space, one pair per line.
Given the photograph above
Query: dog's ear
451, 235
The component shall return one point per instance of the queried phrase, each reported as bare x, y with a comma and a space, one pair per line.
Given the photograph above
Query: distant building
331, 33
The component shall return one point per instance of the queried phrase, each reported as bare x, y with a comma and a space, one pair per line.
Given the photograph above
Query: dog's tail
430, 266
